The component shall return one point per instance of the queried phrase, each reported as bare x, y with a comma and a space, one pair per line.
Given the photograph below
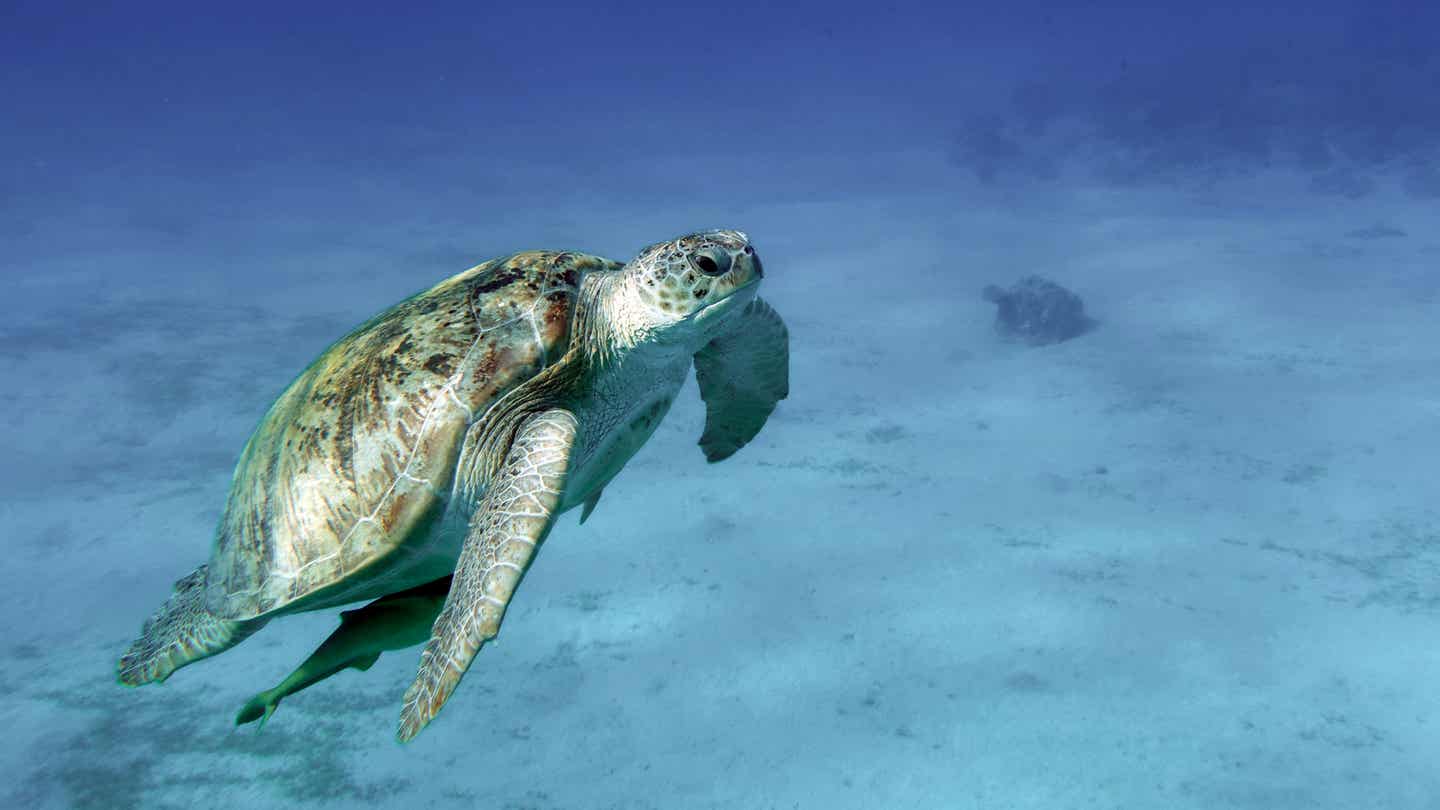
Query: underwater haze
1189, 558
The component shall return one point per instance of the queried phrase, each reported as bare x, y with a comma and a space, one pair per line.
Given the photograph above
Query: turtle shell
356, 458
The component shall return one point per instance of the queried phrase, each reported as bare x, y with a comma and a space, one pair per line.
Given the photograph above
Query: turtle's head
687, 288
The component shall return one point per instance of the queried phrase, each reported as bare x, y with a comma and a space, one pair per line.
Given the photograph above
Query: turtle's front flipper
742, 374
391, 622
510, 523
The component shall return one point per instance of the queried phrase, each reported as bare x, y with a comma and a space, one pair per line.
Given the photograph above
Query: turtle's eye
711, 262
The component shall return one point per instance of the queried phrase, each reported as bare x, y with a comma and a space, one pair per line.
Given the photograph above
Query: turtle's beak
749, 260
741, 283
745, 273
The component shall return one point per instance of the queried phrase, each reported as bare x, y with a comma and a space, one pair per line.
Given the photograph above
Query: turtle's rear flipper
181, 632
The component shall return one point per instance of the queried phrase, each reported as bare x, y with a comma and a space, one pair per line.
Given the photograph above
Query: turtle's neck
613, 327
624, 380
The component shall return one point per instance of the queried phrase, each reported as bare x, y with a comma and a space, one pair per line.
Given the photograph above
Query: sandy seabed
1188, 560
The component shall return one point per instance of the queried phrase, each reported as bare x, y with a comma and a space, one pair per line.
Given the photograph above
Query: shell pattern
356, 459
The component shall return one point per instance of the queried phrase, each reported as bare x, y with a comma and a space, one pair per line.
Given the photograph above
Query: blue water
1189, 559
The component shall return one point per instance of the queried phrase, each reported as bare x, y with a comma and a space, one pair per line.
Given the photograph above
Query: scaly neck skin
628, 333
626, 378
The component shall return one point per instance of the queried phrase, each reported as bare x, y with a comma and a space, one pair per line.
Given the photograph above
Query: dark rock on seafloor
1038, 311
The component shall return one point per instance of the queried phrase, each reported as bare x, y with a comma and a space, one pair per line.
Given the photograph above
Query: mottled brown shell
358, 455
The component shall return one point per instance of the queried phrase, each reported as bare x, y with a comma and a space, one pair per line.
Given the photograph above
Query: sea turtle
446, 434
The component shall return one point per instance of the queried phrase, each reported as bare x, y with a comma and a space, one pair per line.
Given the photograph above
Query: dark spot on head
701, 293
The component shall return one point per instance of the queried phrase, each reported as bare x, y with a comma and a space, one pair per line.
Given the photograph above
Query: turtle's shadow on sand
1087, 325
131, 751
